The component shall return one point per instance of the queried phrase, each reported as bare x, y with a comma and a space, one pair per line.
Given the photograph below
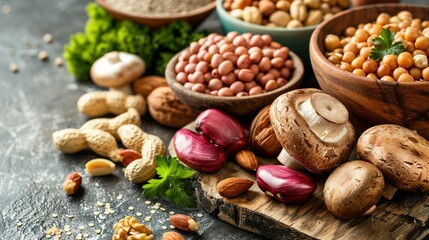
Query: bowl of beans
236, 73
374, 60
288, 22
156, 14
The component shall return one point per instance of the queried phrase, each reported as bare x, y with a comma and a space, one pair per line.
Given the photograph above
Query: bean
184, 55
289, 64
254, 68
201, 54
277, 62
254, 49
255, 90
255, 57
214, 92
182, 77
230, 56
228, 79
231, 35
416, 73
242, 94
241, 51
199, 87
243, 61
202, 67
282, 53
215, 73
198, 77
263, 81
226, 48
398, 72
281, 81
271, 85
274, 72
266, 39
207, 77
208, 57
285, 72
237, 87
188, 85
265, 64
246, 75
190, 67
383, 70
268, 52
180, 66
193, 58
215, 84
256, 41
216, 60
194, 47
239, 41
213, 49
250, 85
225, 92
387, 78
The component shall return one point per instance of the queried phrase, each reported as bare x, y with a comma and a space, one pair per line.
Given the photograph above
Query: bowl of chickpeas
374, 60
237, 73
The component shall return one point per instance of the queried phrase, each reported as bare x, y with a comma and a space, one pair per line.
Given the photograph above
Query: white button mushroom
313, 129
353, 189
116, 70
401, 154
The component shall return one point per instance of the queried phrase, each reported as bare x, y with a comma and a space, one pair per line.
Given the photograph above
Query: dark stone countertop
40, 99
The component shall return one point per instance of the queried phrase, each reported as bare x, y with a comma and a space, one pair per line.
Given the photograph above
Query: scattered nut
13, 67
130, 228
58, 62
184, 222
47, 38
72, 183
247, 160
234, 186
172, 236
42, 56
99, 167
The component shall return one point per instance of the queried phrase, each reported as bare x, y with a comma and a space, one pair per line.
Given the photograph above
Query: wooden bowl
240, 107
193, 17
374, 101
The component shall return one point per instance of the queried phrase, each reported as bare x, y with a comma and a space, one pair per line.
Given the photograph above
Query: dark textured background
40, 99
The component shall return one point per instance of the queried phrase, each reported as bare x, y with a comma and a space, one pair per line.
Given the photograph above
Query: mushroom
313, 129
401, 154
353, 189
116, 70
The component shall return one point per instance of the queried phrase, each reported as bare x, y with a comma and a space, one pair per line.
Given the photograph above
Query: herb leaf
173, 183
384, 45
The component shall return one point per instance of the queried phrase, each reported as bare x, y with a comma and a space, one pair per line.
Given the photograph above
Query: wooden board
405, 217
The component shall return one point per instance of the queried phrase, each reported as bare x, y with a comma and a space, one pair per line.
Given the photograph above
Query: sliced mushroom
313, 129
353, 189
116, 70
401, 154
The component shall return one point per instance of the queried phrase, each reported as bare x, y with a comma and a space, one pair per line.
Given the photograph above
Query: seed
164, 227
47, 38
98, 231
171, 213
81, 227
199, 215
67, 228
96, 213
42, 56
119, 197
130, 208
79, 236
138, 214
70, 216
19, 224
147, 202
91, 224
13, 67
69, 233
58, 61
85, 235
100, 204
54, 215
152, 211
163, 209
172, 227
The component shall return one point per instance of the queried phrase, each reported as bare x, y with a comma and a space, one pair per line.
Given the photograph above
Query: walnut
263, 139
145, 85
167, 110
129, 228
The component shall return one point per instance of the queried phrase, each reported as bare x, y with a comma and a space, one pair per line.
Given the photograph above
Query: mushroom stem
389, 191
287, 160
326, 130
125, 89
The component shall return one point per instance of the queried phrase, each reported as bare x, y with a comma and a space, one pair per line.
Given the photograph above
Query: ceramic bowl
295, 39
240, 107
375, 101
193, 17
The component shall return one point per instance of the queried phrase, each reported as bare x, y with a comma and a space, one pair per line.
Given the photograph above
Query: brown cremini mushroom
401, 154
116, 70
353, 189
313, 129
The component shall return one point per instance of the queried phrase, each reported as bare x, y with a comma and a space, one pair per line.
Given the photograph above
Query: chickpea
417, 23
387, 78
383, 19
350, 31
391, 60
418, 51
372, 75
384, 70
361, 35
367, 26
411, 34
405, 60
375, 30
420, 61
404, 24
398, 72
425, 74
359, 72
332, 42
364, 52
422, 43
410, 47
370, 66
346, 66
405, 78
334, 59
369, 40
405, 15
348, 57
352, 47
416, 73
357, 62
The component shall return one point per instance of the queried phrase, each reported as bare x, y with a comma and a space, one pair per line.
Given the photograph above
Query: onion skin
222, 129
197, 152
285, 184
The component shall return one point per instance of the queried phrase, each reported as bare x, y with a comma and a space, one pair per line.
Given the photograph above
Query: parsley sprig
173, 183
384, 45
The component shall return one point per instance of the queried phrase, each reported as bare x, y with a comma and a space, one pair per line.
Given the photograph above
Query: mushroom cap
401, 154
352, 189
296, 137
116, 69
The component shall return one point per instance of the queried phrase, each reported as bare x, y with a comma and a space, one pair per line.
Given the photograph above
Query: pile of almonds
284, 13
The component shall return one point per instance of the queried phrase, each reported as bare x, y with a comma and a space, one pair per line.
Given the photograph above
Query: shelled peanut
284, 13
352, 50
234, 65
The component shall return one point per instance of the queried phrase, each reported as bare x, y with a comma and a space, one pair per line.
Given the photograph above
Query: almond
247, 160
232, 187
72, 183
184, 222
172, 236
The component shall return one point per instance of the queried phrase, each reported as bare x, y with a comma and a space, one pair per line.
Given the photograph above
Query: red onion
222, 129
197, 152
285, 184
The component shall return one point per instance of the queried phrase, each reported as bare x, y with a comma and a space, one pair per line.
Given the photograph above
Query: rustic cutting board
406, 216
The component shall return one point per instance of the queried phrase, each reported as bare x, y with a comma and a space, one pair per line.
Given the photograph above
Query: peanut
75, 140
142, 170
99, 167
130, 228
72, 183
111, 125
145, 85
99, 103
132, 136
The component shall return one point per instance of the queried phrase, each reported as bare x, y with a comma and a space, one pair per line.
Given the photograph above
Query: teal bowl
296, 39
